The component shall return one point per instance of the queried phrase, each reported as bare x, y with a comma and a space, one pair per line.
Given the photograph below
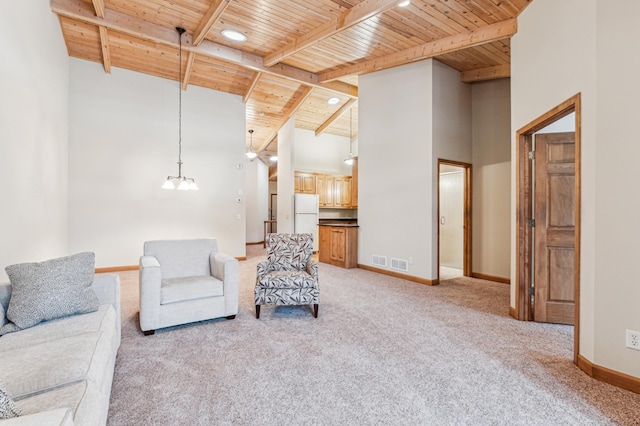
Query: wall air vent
379, 260
399, 264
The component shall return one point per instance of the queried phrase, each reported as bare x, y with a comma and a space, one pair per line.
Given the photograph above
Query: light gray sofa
60, 372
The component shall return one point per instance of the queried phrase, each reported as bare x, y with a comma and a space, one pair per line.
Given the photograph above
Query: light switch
442, 220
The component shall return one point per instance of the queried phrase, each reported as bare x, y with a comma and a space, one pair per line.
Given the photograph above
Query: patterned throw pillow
48, 290
8, 409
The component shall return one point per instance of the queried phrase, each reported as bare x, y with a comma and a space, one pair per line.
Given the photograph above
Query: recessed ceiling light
234, 35
404, 3
273, 158
333, 101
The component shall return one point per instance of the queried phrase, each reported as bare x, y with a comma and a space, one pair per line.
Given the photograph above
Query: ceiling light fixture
234, 35
251, 154
404, 3
273, 158
180, 182
349, 160
333, 101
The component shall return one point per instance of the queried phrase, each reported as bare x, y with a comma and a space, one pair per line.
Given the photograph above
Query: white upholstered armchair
183, 281
289, 276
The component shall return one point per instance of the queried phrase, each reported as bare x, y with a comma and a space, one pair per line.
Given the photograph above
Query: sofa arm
150, 283
226, 269
56, 417
264, 268
107, 289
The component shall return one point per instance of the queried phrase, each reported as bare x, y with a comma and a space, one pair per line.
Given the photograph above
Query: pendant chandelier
180, 182
349, 160
251, 154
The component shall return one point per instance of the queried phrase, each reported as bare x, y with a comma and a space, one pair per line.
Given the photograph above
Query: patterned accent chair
184, 281
289, 276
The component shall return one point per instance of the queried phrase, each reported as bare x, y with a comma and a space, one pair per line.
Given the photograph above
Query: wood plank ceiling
298, 53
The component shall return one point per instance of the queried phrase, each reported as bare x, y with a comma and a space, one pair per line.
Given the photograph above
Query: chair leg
315, 310
149, 332
258, 311
230, 317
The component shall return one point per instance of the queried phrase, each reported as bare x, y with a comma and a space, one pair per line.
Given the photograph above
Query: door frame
524, 202
466, 262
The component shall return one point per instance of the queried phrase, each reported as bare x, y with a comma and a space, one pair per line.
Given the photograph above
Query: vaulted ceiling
298, 53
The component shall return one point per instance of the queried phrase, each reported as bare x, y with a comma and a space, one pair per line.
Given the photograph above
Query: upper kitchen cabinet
304, 183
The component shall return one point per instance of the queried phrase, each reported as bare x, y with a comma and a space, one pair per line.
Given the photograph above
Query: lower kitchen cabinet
339, 245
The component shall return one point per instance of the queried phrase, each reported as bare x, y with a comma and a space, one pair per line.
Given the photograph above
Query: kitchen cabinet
304, 183
324, 187
334, 191
339, 245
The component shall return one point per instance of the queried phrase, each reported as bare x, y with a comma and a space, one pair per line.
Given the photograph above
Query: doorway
454, 219
548, 220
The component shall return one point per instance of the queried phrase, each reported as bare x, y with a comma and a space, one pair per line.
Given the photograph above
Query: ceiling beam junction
188, 70
357, 14
329, 121
306, 92
213, 13
251, 87
98, 5
476, 37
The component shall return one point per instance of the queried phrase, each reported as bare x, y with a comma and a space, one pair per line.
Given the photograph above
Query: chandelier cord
180, 31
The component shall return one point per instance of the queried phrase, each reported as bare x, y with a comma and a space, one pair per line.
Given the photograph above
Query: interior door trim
524, 234
467, 218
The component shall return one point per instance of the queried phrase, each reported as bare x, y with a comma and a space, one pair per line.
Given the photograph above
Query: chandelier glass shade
251, 154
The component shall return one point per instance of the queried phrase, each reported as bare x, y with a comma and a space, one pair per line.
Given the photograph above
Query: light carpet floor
383, 351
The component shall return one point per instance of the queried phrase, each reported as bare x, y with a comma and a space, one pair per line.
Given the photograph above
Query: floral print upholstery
289, 276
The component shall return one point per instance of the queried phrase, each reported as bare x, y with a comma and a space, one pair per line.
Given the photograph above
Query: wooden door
554, 232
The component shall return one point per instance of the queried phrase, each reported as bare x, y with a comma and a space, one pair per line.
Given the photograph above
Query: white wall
395, 166
617, 204
124, 143
256, 199
322, 154
409, 117
552, 59
562, 48
286, 155
491, 177
451, 133
33, 134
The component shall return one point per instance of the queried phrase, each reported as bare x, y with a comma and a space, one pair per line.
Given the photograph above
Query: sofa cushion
103, 320
8, 409
38, 368
51, 289
189, 288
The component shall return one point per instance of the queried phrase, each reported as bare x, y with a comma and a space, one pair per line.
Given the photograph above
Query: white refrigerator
306, 216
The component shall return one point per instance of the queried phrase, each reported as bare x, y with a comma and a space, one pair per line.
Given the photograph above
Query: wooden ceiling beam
479, 36
489, 73
129, 25
306, 92
251, 87
98, 5
359, 13
329, 121
213, 14
188, 70
106, 55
